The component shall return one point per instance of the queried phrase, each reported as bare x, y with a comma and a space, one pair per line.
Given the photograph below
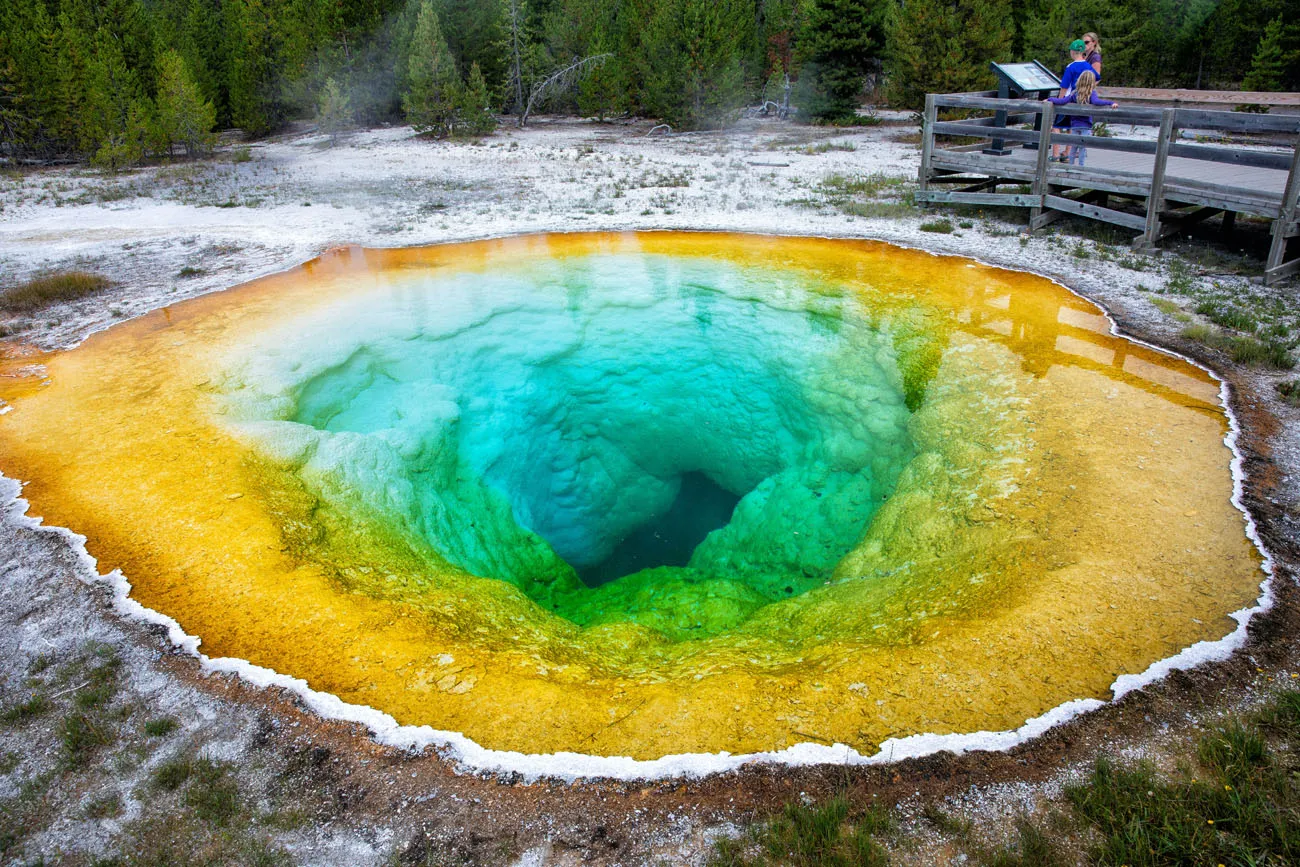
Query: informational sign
1017, 81
1026, 78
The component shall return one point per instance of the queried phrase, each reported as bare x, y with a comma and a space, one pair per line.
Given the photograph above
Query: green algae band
650, 494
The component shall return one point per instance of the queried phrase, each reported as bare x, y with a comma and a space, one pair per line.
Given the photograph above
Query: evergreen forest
116, 81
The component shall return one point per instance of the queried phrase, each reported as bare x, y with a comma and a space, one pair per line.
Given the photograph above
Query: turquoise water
606, 415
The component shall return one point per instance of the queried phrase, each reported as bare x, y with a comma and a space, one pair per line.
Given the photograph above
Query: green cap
1078, 45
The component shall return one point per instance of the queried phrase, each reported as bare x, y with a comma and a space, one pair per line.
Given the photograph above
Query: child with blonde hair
1085, 93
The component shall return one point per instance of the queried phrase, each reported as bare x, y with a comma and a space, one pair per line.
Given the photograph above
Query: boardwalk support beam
1284, 228
1044, 157
1156, 197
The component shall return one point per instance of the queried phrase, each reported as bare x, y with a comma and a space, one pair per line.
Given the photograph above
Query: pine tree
184, 117
434, 87
690, 60
589, 28
944, 46
253, 47
1268, 66
115, 116
334, 110
840, 40
474, 110
122, 142
477, 32
783, 23
28, 78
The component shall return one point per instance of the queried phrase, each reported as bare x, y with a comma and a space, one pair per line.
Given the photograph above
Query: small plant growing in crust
1290, 391
42, 292
943, 227
105, 807
25, 710
161, 727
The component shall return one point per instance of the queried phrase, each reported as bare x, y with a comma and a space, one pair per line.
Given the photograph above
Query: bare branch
562, 78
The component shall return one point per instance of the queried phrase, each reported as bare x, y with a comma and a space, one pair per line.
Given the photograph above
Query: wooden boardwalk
1172, 181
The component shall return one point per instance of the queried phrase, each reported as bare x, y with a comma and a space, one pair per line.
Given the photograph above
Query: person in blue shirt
1069, 78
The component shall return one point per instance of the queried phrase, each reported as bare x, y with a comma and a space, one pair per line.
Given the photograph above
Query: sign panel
1029, 77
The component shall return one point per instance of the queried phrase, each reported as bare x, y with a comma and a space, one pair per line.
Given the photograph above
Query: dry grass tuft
51, 289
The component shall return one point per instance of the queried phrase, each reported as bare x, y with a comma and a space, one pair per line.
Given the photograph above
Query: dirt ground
84, 772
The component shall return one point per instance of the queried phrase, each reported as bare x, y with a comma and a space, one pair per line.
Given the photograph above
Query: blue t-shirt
1072, 72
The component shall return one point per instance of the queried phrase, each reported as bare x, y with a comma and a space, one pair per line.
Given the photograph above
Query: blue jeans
1078, 153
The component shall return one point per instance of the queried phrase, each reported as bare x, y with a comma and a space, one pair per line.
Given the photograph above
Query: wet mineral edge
655, 493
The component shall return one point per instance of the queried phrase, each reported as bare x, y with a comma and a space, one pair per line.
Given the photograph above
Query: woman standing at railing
1085, 93
1093, 48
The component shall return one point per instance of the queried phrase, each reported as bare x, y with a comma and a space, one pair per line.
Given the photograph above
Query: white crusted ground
171, 232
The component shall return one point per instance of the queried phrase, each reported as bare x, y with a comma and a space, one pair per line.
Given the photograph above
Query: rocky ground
114, 745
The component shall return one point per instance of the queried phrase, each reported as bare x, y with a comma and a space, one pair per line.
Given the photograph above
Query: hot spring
648, 494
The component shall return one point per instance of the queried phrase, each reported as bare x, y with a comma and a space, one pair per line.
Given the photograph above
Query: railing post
1040, 189
927, 140
1273, 270
1156, 197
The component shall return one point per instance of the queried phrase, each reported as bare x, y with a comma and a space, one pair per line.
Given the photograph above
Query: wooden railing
1180, 96
1210, 178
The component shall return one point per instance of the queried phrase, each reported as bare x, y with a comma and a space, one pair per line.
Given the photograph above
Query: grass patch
1234, 800
1164, 305
942, 226
177, 839
945, 821
879, 210
188, 271
1243, 349
840, 188
101, 685
22, 815
1260, 353
1181, 279
1290, 391
825, 147
25, 711
1242, 806
1227, 316
829, 834
172, 774
105, 807
1033, 847
212, 794
160, 727
82, 735
42, 292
